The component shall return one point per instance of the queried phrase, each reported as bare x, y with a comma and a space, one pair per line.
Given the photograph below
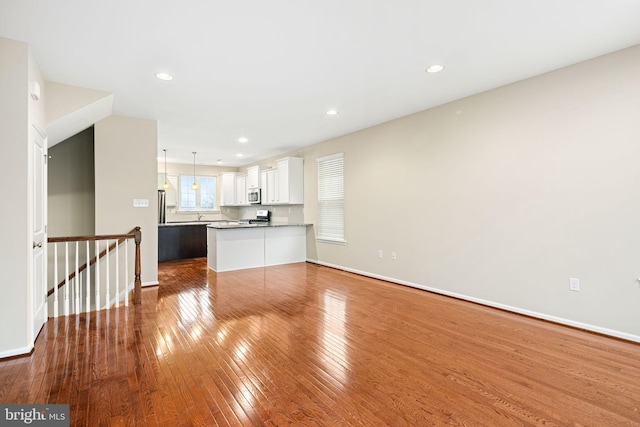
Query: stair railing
74, 293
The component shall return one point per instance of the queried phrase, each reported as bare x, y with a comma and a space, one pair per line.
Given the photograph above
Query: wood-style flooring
302, 344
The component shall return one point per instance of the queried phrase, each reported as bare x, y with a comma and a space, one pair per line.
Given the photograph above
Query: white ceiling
269, 70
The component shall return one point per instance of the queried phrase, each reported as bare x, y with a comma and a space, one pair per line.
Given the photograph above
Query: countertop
176, 223
224, 225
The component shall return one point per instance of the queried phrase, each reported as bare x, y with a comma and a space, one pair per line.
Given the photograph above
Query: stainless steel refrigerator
162, 206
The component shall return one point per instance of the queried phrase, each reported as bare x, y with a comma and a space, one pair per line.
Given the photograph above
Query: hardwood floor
302, 344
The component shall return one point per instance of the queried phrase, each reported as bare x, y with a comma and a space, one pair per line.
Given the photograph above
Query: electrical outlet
380, 254
574, 284
394, 256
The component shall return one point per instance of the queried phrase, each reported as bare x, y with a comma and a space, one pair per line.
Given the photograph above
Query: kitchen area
253, 218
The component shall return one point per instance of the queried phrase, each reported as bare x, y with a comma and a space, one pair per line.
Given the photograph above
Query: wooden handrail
121, 237
135, 234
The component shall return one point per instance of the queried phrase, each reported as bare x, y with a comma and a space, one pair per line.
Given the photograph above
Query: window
202, 199
331, 198
207, 189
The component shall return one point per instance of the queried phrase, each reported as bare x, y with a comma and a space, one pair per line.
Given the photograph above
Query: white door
39, 227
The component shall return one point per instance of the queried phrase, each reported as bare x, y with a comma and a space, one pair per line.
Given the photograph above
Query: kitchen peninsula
234, 245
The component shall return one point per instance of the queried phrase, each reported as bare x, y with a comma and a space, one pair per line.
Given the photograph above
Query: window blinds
331, 198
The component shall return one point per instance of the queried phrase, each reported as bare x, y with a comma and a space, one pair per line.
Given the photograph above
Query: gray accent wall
71, 202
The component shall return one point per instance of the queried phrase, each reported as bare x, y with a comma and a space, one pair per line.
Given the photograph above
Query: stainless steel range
263, 215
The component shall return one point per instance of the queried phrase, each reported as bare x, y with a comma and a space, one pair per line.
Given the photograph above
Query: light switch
574, 284
140, 203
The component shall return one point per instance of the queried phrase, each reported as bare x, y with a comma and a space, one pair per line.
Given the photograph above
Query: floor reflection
192, 315
308, 345
195, 306
259, 323
333, 335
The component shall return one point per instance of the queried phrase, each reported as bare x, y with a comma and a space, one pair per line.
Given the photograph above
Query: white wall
14, 250
126, 169
503, 196
71, 109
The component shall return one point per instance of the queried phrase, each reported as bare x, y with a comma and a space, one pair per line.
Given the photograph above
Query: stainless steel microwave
253, 195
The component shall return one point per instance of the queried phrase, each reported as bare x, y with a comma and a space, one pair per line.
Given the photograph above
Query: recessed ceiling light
219, 161
164, 76
332, 112
243, 140
436, 68
239, 155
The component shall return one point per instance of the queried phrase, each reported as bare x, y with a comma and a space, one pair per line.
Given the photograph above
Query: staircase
91, 273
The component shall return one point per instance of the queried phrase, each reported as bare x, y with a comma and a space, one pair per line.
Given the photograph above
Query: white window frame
198, 208
330, 171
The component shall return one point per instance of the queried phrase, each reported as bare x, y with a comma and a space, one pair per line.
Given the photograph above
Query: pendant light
194, 186
166, 183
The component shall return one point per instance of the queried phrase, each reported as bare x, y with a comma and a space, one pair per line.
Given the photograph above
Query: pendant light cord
194, 186
166, 183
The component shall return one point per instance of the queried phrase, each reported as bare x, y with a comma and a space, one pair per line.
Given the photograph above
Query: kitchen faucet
200, 216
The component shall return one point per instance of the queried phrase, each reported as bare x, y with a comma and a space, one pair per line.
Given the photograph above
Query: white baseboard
543, 316
145, 284
22, 351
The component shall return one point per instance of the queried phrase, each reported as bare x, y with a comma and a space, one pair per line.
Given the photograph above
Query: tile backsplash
289, 213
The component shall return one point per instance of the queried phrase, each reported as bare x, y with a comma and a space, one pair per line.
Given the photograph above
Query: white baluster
126, 272
108, 296
77, 281
117, 275
66, 278
98, 275
55, 280
88, 280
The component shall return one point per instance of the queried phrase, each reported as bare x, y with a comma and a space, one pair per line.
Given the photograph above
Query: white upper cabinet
282, 182
283, 185
253, 177
268, 186
228, 189
241, 190
233, 189
290, 181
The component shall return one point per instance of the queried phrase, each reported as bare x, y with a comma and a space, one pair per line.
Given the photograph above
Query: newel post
137, 285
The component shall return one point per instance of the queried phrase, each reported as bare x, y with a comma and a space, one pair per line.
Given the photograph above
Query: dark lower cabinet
182, 242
